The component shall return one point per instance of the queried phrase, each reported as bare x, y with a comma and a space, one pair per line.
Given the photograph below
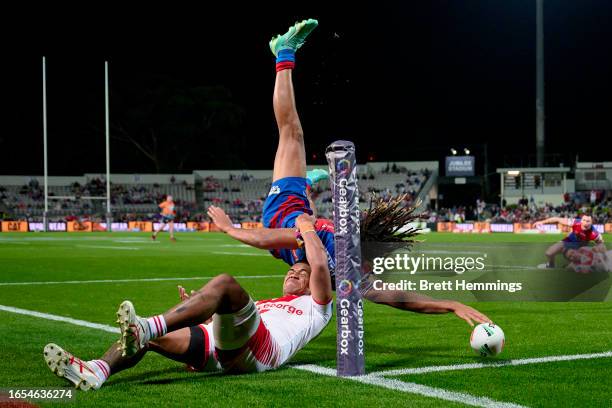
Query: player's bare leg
171, 230
552, 252
222, 295
155, 232
116, 362
173, 346
93, 374
290, 159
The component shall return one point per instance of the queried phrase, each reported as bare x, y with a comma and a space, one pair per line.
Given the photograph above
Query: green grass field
394, 339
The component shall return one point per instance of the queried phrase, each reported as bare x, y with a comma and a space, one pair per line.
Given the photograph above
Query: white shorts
243, 343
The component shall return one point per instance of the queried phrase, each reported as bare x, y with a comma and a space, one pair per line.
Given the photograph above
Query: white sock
157, 326
101, 368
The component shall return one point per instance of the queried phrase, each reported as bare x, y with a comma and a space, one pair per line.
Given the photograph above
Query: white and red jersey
293, 321
591, 261
281, 327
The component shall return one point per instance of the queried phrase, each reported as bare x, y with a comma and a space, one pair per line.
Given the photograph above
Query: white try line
57, 318
124, 248
414, 388
74, 282
495, 364
132, 241
237, 253
395, 385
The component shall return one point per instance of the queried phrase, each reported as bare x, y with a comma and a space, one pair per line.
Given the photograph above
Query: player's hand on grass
184, 296
183, 293
469, 314
220, 218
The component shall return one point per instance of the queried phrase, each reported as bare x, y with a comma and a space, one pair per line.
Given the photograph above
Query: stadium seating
242, 196
527, 211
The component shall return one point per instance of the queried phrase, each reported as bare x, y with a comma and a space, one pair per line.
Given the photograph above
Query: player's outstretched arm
553, 220
263, 238
320, 284
418, 303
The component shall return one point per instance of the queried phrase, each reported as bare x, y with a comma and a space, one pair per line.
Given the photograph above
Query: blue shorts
286, 200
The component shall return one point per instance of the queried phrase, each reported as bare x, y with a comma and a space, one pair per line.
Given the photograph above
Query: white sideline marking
538, 360
366, 379
525, 267
125, 241
125, 248
372, 379
238, 253
37, 239
132, 280
414, 388
57, 318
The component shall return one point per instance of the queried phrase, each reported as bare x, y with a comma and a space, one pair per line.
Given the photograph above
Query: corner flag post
350, 357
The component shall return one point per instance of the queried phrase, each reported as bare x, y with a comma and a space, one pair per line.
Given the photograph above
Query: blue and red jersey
580, 235
286, 200
325, 232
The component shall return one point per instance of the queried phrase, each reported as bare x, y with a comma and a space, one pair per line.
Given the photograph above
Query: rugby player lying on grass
582, 233
586, 260
289, 196
244, 336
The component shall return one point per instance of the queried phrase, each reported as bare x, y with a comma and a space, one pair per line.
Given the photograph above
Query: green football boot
294, 38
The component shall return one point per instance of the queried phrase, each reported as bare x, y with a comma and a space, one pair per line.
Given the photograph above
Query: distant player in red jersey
581, 235
168, 212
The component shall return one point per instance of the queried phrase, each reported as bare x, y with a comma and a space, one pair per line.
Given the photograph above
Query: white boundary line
72, 282
538, 360
57, 318
391, 384
376, 378
124, 248
238, 253
413, 388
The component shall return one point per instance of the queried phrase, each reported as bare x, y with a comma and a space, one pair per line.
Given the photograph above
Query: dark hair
383, 228
385, 220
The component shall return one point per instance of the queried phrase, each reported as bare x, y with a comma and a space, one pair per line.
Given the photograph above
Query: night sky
405, 81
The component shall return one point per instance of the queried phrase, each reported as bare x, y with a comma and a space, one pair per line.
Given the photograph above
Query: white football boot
65, 365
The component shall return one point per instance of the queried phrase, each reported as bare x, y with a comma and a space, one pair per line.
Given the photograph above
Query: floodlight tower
540, 82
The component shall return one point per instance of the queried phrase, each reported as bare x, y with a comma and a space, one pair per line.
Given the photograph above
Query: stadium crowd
243, 196
598, 204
